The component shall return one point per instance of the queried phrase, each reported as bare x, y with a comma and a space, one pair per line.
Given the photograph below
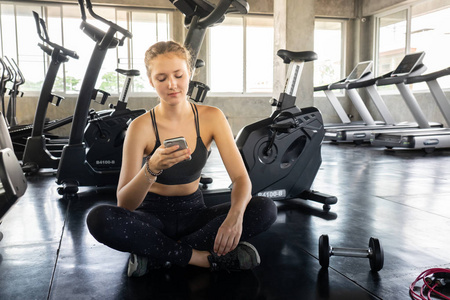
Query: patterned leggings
168, 228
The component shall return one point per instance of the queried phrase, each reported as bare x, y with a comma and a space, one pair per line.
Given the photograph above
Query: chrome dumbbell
374, 253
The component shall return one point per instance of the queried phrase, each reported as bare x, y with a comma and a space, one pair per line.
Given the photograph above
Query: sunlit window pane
30, 57
227, 62
392, 41
163, 27
77, 41
259, 56
8, 28
55, 34
122, 52
328, 37
107, 78
144, 35
431, 33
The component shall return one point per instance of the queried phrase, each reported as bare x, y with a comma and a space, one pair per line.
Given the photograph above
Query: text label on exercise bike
273, 194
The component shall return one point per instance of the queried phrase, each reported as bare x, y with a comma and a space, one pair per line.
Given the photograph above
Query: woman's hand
163, 158
228, 235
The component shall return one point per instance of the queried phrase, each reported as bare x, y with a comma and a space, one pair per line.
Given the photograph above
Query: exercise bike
42, 151
282, 153
6, 76
17, 80
12, 180
93, 155
39, 149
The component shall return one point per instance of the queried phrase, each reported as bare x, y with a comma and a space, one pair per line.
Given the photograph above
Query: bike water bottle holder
58, 99
15, 93
104, 97
197, 91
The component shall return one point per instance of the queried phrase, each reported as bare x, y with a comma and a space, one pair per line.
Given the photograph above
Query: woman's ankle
200, 258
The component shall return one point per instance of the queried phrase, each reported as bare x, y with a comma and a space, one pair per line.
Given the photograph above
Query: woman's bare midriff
175, 190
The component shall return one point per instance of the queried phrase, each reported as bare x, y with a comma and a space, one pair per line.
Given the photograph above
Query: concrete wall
335, 9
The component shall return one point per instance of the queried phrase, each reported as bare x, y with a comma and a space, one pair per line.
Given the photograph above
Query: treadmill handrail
368, 82
401, 79
338, 85
321, 88
429, 76
345, 84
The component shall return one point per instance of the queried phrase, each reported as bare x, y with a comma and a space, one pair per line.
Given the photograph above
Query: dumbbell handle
351, 252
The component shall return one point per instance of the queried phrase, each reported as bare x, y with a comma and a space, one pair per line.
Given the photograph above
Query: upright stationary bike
36, 154
95, 161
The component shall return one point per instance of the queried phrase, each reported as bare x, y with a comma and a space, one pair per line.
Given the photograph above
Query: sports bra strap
155, 127
194, 110
197, 123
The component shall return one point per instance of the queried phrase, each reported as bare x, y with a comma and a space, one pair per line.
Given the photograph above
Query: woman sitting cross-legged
160, 217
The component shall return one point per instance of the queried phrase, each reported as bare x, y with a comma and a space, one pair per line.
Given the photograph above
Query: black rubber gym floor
401, 198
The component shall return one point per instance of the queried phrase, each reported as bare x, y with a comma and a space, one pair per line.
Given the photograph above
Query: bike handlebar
239, 6
19, 77
6, 76
44, 37
123, 31
222, 8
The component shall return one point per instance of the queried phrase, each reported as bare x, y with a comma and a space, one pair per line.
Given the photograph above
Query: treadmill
362, 70
426, 139
411, 65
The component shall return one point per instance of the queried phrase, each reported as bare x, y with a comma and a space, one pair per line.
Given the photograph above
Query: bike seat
289, 56
128, 72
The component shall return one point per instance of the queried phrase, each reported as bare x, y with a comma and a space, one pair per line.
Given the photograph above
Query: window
75, 39
422, 27
63, 23
259, 55
30, 57
431, 33
392, 41
329, 46
244, 44
142, 23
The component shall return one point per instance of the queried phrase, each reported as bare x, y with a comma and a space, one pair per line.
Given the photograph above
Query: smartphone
180, 141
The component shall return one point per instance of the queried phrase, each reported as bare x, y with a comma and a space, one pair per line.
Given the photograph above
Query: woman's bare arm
133, 182
230, 232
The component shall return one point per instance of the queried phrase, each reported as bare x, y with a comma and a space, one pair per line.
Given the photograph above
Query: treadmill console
359, 71
408, 63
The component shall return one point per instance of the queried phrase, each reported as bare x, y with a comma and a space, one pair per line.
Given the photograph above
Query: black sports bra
186, 171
